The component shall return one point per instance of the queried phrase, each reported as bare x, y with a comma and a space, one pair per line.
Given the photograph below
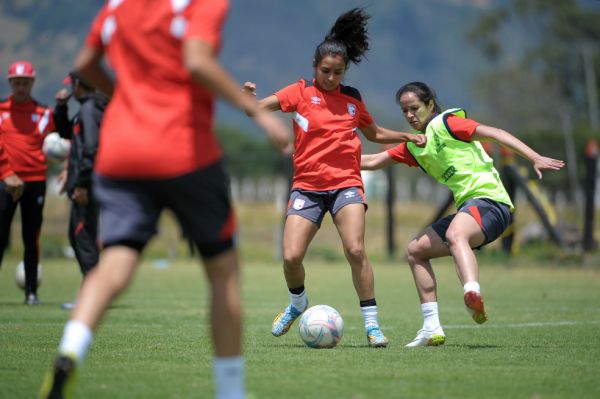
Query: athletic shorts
493, 217
130, 209
313, 205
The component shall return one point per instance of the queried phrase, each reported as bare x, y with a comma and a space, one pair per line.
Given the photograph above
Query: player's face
417, 113
329, 73
21, 88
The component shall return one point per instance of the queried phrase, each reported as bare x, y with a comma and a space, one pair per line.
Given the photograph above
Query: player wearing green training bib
454, 157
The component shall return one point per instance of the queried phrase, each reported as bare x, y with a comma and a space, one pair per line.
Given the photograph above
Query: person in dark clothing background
83, 130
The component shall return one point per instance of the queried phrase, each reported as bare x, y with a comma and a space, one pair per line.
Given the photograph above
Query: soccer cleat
428, 338
474, 303
32, 299
376, 338
60, 380
284, 320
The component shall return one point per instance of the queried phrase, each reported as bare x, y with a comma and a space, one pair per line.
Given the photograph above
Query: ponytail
347, 38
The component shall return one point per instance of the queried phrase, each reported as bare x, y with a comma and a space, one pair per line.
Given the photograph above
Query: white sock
76, 340
472, 286
370, 315
300, 301
431, 319
229, 377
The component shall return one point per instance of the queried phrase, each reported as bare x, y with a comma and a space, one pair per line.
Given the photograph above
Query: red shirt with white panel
326, 146
462, 129
159, 122
23, 127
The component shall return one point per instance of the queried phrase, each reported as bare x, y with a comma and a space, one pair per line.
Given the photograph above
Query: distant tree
247, 155
559, 33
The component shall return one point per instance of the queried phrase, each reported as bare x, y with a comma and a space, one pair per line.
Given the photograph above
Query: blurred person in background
327, 116
454, 157
76, 180
24, 123
158, 150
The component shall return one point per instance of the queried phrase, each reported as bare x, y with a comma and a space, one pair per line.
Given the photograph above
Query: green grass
542, 340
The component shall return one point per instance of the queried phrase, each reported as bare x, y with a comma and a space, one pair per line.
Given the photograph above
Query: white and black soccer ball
55, 147
321, 326
20, 275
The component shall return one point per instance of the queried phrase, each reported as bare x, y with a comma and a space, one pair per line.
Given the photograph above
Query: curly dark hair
347, 38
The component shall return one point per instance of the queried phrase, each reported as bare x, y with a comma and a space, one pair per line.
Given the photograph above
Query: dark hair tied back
423, 93
347, 38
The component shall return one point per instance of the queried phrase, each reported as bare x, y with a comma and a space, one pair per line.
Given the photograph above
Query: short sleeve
461, 128
290, 96
206, 20
94, 38
364, 117
401, 154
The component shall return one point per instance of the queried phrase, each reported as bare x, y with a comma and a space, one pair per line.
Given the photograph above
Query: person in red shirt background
327, 177
158, 150
23, 125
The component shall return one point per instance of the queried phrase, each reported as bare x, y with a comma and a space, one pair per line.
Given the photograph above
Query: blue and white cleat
284, 320
428, 338
376, 338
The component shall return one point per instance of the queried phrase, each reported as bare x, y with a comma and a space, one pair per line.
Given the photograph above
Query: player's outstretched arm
199, 60
270, 103
502, 137
378, 134
376, 161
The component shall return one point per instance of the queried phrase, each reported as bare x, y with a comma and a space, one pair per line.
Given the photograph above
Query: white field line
524, 325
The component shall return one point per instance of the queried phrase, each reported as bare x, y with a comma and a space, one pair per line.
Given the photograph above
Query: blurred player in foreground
158, 150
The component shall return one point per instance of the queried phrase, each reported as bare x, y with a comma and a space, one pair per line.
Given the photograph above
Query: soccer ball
55, 147
321, 326
20, 275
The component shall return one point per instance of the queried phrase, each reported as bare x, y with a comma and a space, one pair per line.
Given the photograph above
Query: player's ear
431, 105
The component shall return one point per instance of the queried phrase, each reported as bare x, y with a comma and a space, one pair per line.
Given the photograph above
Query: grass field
542, 340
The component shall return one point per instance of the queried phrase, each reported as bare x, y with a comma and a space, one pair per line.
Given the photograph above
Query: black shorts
130, 209
313, 205
493, 217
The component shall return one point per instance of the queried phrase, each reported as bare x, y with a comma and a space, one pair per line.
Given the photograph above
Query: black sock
297, 290
368, 302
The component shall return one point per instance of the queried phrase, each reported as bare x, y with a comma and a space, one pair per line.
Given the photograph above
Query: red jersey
23, 127
326, 145
159, 123
461, 128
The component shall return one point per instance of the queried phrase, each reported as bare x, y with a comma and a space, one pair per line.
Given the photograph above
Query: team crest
35, 118
351, 109
315, 100
298, 204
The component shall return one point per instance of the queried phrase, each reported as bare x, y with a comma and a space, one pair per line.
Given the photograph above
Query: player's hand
80, 196
419, 139
277, 131
249, 88
544, 163
62, 96
14, 186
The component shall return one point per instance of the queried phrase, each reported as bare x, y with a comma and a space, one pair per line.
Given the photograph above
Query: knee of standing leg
292, 258
355, 251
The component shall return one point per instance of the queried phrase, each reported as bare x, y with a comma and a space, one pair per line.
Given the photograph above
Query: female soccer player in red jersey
454, 157
157, 150
327, 176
